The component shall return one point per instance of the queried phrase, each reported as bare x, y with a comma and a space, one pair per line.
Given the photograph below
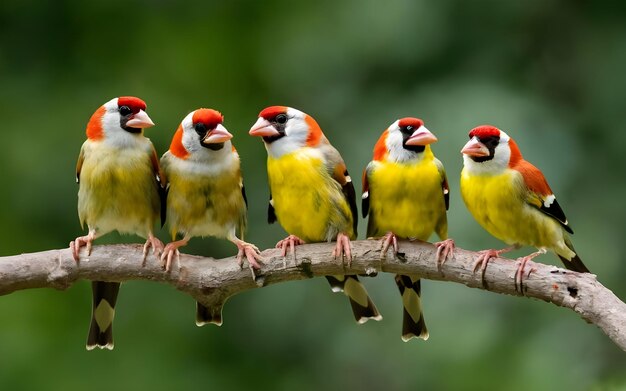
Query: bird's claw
519, 274
252, 254
81, 241
445, 250
157, 247
168, 256
388, 240
343, 248
483, 259
289, 243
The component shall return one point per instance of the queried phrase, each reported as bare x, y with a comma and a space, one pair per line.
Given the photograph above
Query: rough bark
211, 281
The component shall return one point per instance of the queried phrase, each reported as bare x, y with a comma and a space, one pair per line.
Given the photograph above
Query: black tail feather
575, 264
363, 308
102, 314
413, 325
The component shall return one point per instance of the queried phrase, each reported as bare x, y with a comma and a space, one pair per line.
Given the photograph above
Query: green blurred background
551, 73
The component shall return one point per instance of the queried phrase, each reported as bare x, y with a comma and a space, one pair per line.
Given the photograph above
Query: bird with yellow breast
120, 188
205, 193
311, 194
405, 192
512, 200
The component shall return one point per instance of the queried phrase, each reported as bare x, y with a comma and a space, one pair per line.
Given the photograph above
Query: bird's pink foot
251, 252
519, 274
389, 240
343, 248
485, 256
290, 242
170, 251
157, 247
82, 241
445, 250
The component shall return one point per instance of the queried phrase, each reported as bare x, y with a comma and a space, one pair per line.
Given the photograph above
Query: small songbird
511, 199
311, 193
405, 192
205, 194
120, 188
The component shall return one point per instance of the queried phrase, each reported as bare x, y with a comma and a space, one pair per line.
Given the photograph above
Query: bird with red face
405, 192
205, 195
512, 200
120, 189
311, 193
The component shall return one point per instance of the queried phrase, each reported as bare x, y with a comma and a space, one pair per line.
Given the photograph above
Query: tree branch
211, 281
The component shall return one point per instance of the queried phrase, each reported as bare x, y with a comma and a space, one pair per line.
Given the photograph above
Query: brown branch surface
211, 281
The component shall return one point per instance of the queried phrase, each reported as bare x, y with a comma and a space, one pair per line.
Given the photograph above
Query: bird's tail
102, 314
206, 315
413, 325
363, 307
575, 264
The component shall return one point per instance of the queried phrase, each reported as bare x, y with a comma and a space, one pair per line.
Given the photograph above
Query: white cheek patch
549, 200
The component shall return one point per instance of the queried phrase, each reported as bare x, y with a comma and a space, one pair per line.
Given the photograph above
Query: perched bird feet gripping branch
343, 249
289, 243
519, 274
170, 252
445, 250
389, 240
484, 256
81, 241
157, 247
250, 251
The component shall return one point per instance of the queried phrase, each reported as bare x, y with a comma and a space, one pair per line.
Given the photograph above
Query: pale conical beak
421, 136
217, 135
475, 148
140, 120
263, 128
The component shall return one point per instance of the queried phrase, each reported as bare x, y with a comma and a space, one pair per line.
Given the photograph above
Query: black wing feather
271, 214
350, 194
554, 210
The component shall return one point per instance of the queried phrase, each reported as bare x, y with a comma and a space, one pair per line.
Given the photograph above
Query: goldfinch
405, 192
311, 193
511, 199
120, 187
205, 196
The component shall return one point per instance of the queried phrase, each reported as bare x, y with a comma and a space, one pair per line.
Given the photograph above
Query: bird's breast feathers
406, 199
118, 188
308, 202
203, 200
499, 204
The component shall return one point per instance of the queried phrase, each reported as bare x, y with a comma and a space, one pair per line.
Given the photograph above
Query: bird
511, 199
120, 189
406, 194
311, 194
205, 192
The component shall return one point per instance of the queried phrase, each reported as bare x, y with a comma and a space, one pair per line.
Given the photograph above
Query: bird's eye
281, 118
200, 129
409, 128
125, 110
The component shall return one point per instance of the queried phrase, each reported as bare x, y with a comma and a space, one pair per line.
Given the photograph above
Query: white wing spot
549, 200
348, 179
365, 195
